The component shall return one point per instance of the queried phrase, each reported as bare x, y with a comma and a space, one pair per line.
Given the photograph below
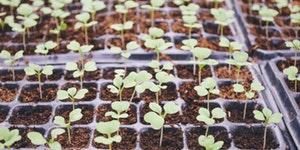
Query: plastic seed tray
286, 98
181, 130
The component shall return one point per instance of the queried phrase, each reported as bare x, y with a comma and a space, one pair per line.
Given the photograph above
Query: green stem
245, 111
40, 86
296, 87
122, 38
265, 137
81, 81
132, 96
194, 65
208, 97
157, 95
120, 94
206, 132
152, 17
24, 40
13, 72
69, 133
295, 60
161, 136
157, 55
124, 17
200, 74
86, 35
221, 28
190, 32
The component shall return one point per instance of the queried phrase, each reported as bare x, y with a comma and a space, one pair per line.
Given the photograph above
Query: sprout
208, 142
292, 74
45, 47
206, 88
108, 129
71, 93
11, 60
34, 69
232, 46
117, 87
255, 87
189, 10
154, 41
2, 21
123, 8
127, 52
222, 17
76, 47
92, 6
295, 19
216, 2
181, 2
295, 45
156, 117
83, 22
122, 28
190, 45
162, 78
8, 138
189, 17
154, 5
268, 118
74, 116
37, 138
168, 66
239, 60
11, 3
267, 15
120, 109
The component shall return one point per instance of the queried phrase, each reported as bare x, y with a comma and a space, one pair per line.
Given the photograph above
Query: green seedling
71, 93
124, 8
44, 48
209, 143
295, 19
8, 138
74, 116
154, 41
209, 118
154, 5
119, 110
84, 24
295, 45
267, 15
2, 21
181, 2
222, 17
206, 88
256, 86
216, 2
11, 60
292, 74
239, 60
268, 118
162, 78
81, 49
122, 28
189, 17
189, 10
118, 83
37, 138
280, 4
92, 6
191, 45
108, 129
12, 4
156, 117
36, 70
156, 66
126, 53
231, 46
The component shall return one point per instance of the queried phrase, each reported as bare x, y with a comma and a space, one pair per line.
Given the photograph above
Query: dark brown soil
86, 110
106, 95
223, 72
131, 119
116, 41
269, 44
212, 28
178, 27
186, 72
282, 64
235, 112
88, 76
227, 92
57, 74
172, 139
109, 73
30, 115
6, 75
25, 142
31, 93
219, 133
167, 94
129, 139
252, 138
8, 92
79, 138
89, 96
144, 26
4, 110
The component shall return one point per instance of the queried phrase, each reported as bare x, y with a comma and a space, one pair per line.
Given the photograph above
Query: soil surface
131, 119
25, 141
168, 94
31, 93
86, 110
79, 138
235, 112
3, 112
8, 92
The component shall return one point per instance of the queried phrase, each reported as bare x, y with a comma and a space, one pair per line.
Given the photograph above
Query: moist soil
88, 76
89, 96
109, 73
86, 110
31, 93
225, 72
106, 95
186, 72
57, 74
80, 138
227, 92
282, 64
3, 112
6, 75
131, 119
168, 94
8, 92
25, 141
235, 112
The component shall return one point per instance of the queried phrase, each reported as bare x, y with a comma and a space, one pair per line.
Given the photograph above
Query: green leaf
120, 106
73, 45
90, 66
36, 138
83, 17
55, 146
56, 132
275, 118
171, 108
218, 113
71, 66
81, 93
103, 140
5, 54
75, 115
155, 107
259, 115
257, 86
201, 91
48, 70
132, 45
163, 77
156, 32
108, 127
59, 120
113, 89
62, 95
72, 91
238, 88
154, 119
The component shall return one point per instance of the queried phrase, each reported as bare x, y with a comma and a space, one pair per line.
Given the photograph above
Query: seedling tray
279, 32
181, 130
286, 99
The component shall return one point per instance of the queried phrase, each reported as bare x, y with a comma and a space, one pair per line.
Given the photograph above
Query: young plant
267, 15
191, 45
231, 46
11, 60
37, 138
44, 48
92, 6
71, 93
222, 17
74, 116
12, 4
157, 67
156, 117
8, 138
84, 24
162, 78
295, 45
118, 83
268, 118
154, 41
292, 74
127, 52
122, 28
189, 17
209, 143
108, 129
154, 5
81, 49
38, 71
206, 88
216, 2
256, 87
2, 21
239, 59
119, 110
124, 8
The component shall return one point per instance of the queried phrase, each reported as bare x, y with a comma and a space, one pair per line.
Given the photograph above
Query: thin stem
245, 111
122, 38
120, 94
208, 97
161, 136
194, 65
152, 17
93, 19
124, 17
265, 137
206, 132
157, 95
69, 133
73, 102
296, 81
24, 40
110, 146
295, 60
216, 4
81, 81
199, 74
238, 74
249, 6
157, 55
40, 85
222, 28
86, 35
190, 32
132, 96
13, 72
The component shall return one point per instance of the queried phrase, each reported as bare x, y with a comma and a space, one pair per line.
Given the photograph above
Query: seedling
256, 86
189, 17
216, 2
295, 19
189, 10
92, 6
208, 142
119, 110
124, 8
154, 64
181, 2
108, 129
122, 28
294, 8
11, 3
162, 78
11, 60
206, 88
156, 117
84, 24
81, 49
37, 138
117, 87
71, 93
2, 21
292, 74
239, 59
268, 118
232, 46
267, 15
191, 45
127, 52
222, 17
74, 116
295, 45
154, 41
44, 48
8, 138
154, 5
34, 69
